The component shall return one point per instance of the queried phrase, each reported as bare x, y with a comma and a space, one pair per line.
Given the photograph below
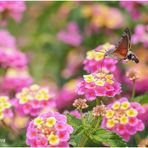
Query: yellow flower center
53, 139
89, 78
100, 82
132, 112
125, 105
38, 121
109, 114
51, 121
124, 119
91, 54
110, 123
116, 105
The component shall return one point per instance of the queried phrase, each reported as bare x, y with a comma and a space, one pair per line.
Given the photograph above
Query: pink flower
67, 94
32, 100
144, 116
5, 108
45, 130
122, 117
10, 57
7, 40
98, 84
15, 79
141, 35
133, 7
71, 36
12, 9
95, 61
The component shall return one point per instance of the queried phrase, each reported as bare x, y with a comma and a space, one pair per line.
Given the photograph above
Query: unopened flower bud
80, 103
99, 110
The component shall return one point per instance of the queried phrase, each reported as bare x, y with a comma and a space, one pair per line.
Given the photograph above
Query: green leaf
141, 99
73, 121
108, 137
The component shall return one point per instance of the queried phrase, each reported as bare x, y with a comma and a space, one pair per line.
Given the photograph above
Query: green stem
83, 140
81, 116
133, 91
97, 124
97, 101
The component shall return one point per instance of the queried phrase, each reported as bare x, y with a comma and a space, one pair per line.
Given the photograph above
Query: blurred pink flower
5, 108
122, 118
67, 94
133, 7
73, 63
32, 100
7, 40
49, 130
141, 35
144, 116
12, 9
98, 84
10, 57
71, 36
15, 79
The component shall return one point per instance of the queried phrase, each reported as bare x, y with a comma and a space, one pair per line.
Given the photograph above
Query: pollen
132, 112
23, 100
89, 78
53, 139
91, 55
109, 114
124, 120
125, 105
116, 105
109, 76
51, 121
100, 82
109, 81
3, 99
99, 56
110, 123
7, 105
38, 121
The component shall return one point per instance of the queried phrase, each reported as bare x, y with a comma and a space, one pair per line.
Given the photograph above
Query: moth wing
121, 49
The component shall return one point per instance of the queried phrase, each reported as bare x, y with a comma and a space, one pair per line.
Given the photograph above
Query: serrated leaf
108, 137
141, 99
73, 121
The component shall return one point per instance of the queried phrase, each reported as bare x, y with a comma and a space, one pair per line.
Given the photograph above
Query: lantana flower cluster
98, 84
49, 130
32, 100
5, 108
10, 57
13, 9
122, 118
95, 59
15, 79
7, 40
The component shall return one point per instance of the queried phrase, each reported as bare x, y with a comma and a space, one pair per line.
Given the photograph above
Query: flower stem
81, 115
133, 91
83, 140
